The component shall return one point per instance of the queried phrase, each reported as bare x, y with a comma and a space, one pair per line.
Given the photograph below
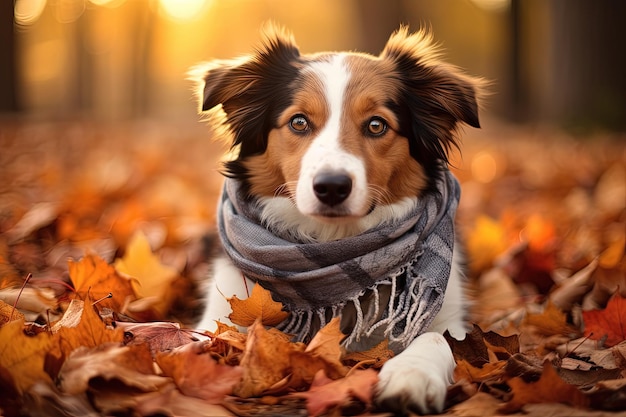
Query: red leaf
610, 322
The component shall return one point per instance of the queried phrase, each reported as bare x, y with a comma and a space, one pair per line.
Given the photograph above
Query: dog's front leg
226, 281
417, 378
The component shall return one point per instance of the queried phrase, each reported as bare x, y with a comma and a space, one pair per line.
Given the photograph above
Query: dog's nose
332, 188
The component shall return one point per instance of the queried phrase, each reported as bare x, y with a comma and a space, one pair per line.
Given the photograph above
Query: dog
328, 148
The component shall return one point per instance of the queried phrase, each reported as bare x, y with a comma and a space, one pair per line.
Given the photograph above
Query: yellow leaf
152, 278
23, 356
258, 306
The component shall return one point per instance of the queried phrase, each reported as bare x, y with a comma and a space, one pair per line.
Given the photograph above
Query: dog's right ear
251, 90
231, 82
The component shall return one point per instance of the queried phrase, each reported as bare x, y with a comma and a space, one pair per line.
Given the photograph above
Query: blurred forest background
558, 62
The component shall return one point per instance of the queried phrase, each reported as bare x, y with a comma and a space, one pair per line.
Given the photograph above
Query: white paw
417, 379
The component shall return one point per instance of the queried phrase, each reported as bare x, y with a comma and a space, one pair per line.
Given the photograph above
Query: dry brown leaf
265, 361
23, 356
326, 344
488, 372
160, 336
197, 374
130, 365
259, 305
33, 302
326, 393
151, 279
550, 388
573, 289
374, 357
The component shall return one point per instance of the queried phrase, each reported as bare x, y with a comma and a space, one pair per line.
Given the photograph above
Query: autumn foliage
104, 245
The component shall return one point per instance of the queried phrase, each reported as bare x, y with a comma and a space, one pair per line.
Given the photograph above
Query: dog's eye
376, 126
299, 124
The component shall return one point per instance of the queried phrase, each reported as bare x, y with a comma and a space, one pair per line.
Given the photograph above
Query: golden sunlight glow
484, 167
182, 9
107, 3
493, 5
28, 11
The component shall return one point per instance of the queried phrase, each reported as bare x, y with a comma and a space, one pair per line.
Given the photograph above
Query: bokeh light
28, 11
183, 10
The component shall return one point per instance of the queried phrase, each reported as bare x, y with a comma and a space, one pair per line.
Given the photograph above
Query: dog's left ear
437, 95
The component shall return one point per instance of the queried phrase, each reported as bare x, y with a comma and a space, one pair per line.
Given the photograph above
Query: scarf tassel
404, 319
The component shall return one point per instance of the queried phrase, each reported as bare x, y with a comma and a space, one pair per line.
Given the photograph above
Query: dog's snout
332, 188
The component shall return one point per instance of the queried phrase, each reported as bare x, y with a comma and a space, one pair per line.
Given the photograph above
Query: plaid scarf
404, 264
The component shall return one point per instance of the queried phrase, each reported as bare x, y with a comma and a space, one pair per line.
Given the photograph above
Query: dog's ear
249, 88
437, 96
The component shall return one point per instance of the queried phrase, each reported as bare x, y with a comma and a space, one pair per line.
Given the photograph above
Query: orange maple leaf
259, 305
93, 277
610, 322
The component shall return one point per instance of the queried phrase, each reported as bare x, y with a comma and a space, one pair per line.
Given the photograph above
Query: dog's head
339, 133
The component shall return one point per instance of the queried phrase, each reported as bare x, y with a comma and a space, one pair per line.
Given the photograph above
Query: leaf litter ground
105, 236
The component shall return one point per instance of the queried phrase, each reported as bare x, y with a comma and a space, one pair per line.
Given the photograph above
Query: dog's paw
417, 379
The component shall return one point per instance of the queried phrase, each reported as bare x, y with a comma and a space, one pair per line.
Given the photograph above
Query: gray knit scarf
409, 260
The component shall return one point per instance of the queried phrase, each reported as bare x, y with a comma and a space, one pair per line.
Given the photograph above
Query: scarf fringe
404, 319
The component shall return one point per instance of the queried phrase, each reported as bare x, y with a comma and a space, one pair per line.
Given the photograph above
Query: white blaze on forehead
325, 152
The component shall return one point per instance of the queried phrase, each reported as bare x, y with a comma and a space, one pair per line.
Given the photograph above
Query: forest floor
120, 219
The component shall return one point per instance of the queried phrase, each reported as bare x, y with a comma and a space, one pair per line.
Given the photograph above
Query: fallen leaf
33, 302
374, 357
197, 374
130, 365
160, 336
326, 344
71, 317
265, 361
259, 305
487, 372
550, 388
573, 289
326, 393
90, 331
93, 277
552, 321
152, 279
23, 356
610, 322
